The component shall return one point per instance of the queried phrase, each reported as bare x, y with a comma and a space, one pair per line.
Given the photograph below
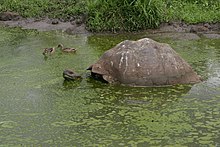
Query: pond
39, 108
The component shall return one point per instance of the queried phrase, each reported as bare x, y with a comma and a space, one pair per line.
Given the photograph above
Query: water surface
37, 107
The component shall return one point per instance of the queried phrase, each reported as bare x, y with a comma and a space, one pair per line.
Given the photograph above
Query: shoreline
208, 30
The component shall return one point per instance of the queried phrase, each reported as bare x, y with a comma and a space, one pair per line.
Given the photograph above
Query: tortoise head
70, 75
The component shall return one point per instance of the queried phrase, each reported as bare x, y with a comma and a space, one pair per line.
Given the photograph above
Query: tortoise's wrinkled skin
144, 63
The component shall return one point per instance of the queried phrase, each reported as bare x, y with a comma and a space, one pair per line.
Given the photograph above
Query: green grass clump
193, 11
124, 15
41, 8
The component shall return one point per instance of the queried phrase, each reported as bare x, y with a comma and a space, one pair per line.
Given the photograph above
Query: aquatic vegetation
39, 108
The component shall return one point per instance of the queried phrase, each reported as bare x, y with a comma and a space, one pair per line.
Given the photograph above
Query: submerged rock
143, 63
212, 36
54, 21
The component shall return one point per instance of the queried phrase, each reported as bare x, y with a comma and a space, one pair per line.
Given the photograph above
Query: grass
128, 15
194, 11
40, 8
119, 15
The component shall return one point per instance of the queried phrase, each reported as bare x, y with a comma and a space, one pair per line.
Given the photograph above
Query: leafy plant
128, 15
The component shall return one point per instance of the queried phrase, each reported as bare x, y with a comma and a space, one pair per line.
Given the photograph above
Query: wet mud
78, 26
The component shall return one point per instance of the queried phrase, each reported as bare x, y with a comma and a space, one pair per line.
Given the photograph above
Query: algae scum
39, 108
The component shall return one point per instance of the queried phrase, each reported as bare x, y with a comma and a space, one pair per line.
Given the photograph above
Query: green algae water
39, 108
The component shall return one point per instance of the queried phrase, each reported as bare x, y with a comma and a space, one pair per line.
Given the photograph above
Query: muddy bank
74, 26
46, 24
183, 31
175, 30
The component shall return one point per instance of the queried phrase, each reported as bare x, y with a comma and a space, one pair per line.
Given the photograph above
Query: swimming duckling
66, 49
48, 51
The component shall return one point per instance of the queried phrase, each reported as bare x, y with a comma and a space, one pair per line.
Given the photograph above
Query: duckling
49, 51
67, 50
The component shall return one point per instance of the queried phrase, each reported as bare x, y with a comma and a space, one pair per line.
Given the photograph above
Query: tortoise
144, 62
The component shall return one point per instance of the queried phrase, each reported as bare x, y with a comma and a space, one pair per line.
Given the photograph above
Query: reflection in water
39, 108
